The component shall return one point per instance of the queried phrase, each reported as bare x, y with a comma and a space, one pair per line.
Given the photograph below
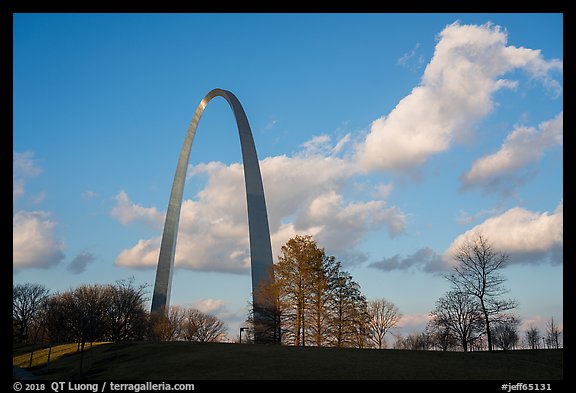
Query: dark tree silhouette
553, 334
97, 312
477, 273
460, 315
532, 336
27, 303
505, 333
127, 316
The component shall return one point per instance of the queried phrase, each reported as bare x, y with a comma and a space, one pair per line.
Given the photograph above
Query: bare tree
505, 333
477, 274
414, 341
553, 334
384, 315
89, 306
202, 327
27, 302
461, 315
167, 326
127, 314
441, 336
533, 337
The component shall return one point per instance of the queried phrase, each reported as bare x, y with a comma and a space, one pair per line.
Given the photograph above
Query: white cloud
411, 323
318, 145
455, 92
527, 236
340, 145
304, 195
209, 306
34, 240
143, 255
125, 211
523, 146
410, 320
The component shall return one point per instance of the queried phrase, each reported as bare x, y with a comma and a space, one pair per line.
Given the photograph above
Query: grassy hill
198, 361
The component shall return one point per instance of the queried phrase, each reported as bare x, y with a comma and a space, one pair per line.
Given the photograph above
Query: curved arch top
259, 232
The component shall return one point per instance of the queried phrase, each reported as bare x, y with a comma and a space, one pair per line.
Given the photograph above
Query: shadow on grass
212, 361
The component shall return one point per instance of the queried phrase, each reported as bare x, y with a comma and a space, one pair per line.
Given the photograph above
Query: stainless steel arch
259, 232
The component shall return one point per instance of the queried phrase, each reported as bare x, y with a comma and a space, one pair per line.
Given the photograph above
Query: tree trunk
487, 322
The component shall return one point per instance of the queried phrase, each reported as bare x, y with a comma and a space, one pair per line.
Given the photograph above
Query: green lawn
197, 361
21, 356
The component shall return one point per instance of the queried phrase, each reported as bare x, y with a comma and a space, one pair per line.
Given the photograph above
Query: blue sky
389, 137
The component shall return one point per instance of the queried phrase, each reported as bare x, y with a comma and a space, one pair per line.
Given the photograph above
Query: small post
241, 330
49, 353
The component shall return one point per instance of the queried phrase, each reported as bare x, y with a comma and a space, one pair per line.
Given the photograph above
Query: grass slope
21, 357
197, 361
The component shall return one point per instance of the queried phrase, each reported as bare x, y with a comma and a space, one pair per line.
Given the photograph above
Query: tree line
113, 312
312, 301
474, 313
505, 337
317, 303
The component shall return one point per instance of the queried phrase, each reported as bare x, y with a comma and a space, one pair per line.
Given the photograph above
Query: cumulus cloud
455, 92
143, 255
80, 261
523, 146
408, 321
304, 195
526, 236
209, 306
126, 211
34, 240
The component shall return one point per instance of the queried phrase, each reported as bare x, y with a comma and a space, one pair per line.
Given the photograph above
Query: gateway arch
266, 324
